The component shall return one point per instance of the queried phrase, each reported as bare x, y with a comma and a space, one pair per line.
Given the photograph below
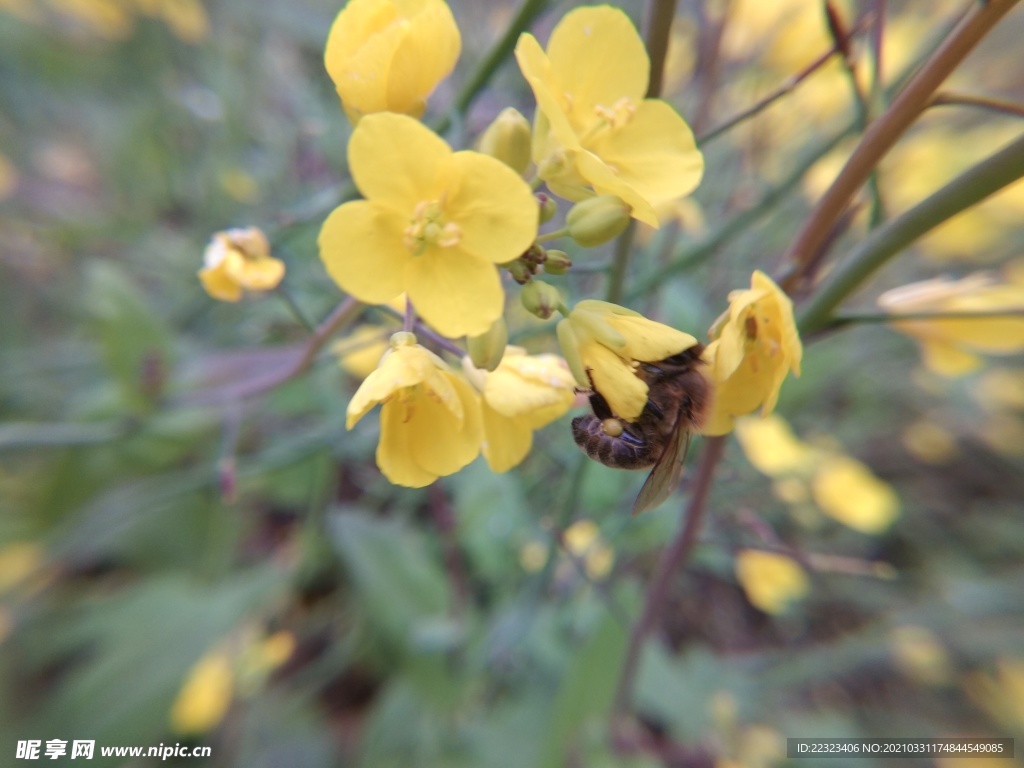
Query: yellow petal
401, 368
537, 387
262, 274
506, 440
848, 491
598, 57
648, 340
219, 284
394, 451
456, 293
655, 153
396, 161
492, 206
426, 55
361, 247
615, 380
440, 443
606, 181
536, 68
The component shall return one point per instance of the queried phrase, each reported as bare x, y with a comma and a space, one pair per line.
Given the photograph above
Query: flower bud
571, 352
508, 140
558, 263
597, 220
548, 207
487, 349
540, 299
521, 272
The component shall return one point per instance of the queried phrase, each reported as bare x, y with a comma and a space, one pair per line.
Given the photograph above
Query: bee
677, 400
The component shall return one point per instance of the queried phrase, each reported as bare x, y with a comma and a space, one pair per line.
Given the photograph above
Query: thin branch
857, 318
787, 87
954, 99
672, 559
886, 130
659, 33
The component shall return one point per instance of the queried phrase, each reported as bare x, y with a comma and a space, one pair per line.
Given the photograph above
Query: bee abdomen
616, 452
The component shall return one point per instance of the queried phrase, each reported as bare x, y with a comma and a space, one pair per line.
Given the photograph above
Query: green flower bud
487, 349
521, 272
571, 352
508, 140
548, 207
597, 220
540, 299
558, 263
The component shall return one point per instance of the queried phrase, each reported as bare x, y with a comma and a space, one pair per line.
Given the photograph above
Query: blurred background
177, 567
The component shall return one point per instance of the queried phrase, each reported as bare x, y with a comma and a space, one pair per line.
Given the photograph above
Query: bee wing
665, 475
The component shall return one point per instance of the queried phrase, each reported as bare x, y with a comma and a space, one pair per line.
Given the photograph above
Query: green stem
884, 132
528, 11
967, 189
620, 264
858, 318
285, 295
549, 236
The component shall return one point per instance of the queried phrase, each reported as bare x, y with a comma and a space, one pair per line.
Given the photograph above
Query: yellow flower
603, 344
429, 418
951, 347
389, 55
239, 260
435, 224
594, 130
771, 581
755, 345
851, 493
524, 393
204, 698
582, 540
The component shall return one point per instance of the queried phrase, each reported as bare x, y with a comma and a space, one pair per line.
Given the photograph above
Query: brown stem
886, 130
950, 98
659, 32
671, 560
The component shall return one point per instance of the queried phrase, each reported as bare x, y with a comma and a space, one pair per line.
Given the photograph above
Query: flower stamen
428, 227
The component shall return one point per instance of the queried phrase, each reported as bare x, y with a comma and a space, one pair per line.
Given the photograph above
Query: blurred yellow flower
361, 351
524, 393
952, 346
1001, 388
920, 654
771, 446
605, 342
583, 541
1001, 693
239, 260
772, 581
205, 697
389, 55
8, 177
851, 493
18, 562
754, 347
429, 419
435, 224
594, 130
929, 442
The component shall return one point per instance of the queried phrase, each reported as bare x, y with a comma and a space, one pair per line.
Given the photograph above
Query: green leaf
135, 343
401, 586
587, 689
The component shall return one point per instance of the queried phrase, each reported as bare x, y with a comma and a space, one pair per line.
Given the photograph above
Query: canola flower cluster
439, 227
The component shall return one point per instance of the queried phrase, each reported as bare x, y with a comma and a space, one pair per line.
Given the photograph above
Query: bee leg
600, 406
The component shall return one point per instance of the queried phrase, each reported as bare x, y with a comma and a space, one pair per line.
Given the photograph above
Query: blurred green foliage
143, 525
